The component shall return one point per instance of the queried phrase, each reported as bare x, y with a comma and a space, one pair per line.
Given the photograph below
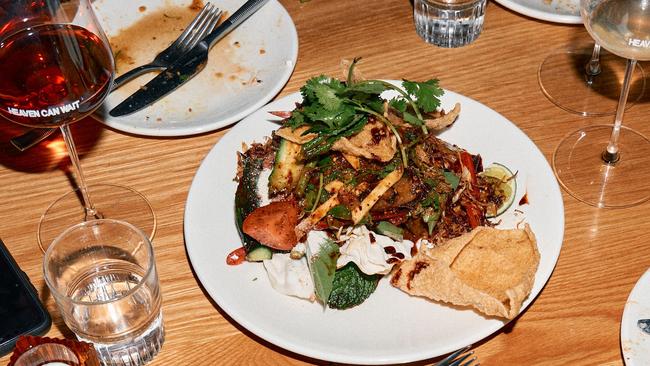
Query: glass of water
449, 23
103, 277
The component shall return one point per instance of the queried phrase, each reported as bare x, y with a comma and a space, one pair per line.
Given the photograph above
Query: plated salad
353, 183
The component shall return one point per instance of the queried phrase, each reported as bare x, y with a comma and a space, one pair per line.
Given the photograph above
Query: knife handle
245, 11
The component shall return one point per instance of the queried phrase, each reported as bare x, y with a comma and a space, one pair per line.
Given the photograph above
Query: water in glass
449, 23
103, 277
139, 335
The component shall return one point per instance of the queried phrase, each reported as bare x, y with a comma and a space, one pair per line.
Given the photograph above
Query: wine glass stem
612, 154
593, 66
89, 207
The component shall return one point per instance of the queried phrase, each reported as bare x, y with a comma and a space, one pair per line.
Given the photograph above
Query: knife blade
186, 67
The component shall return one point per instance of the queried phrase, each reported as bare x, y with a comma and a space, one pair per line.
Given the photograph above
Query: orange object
31, 350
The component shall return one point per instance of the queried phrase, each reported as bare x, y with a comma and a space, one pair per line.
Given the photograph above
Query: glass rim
151, 264
28, 26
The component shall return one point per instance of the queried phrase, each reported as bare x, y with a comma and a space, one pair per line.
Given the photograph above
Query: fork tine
198, 21
213, 23
450, 360
204, 29
453, 356
459, 361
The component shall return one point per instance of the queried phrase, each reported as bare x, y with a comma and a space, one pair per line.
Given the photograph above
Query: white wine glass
57, 68
607, 165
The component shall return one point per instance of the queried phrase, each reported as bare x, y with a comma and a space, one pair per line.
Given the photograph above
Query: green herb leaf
323, 268
351, 287
327, 97
430, 217
408, 117
340, 212
452, 179
369, 87
333, 109
398, 104
425, 93
390, 230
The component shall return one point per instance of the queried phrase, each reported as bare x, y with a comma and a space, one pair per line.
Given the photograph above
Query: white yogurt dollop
371, 252
290, 276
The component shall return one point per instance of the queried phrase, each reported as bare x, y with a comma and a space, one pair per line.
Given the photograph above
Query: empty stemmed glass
607, 165
57, 68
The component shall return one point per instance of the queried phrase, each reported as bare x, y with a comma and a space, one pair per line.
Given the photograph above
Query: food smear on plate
152, 33
565, 6
352, 184
227, 70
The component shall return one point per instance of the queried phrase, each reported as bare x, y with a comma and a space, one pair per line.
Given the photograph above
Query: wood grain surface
576, 318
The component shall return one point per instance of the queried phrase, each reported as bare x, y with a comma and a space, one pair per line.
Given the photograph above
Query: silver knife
186, 66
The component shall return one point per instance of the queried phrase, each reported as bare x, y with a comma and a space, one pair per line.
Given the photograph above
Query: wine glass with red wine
57, 68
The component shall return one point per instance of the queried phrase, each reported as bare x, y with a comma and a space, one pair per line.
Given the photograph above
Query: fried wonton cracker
489, 269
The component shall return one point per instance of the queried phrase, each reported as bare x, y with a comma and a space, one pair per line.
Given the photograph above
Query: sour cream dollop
371, 252
290, 276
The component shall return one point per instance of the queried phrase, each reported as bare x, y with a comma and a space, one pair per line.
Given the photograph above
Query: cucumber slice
287, 168
259, 254
508, 185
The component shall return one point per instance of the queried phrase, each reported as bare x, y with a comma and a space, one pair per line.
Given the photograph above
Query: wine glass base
582, 172
111, 201
563, 81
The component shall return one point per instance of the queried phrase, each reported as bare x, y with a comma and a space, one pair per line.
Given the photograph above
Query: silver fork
460, 358
203, 23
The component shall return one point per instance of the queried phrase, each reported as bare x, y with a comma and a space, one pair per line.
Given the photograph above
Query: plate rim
545, 273
549, 16
627, 328
120, 125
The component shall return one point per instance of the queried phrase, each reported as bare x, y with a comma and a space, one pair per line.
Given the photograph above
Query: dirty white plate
245, 70
390, 327
634, 342
557, 11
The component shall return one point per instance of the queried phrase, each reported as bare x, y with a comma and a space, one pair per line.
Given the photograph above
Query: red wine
53, 74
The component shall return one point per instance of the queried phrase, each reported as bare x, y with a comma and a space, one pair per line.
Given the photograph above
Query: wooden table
576, 318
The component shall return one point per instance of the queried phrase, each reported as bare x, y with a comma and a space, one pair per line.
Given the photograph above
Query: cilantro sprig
333, 109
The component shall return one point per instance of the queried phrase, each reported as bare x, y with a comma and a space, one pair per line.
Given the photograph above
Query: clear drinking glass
607, 165
449, 23
57, 68
102, 275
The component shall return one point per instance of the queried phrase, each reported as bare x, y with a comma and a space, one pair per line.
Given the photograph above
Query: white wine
620, 26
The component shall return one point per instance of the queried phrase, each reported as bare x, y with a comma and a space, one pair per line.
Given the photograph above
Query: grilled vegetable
273, 225
246, 201
287, 168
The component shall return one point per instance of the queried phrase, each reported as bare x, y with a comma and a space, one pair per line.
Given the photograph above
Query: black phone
21, 311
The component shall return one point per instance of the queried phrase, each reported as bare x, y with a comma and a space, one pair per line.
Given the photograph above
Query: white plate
245, 70
558, 11
634, 343
390, 327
